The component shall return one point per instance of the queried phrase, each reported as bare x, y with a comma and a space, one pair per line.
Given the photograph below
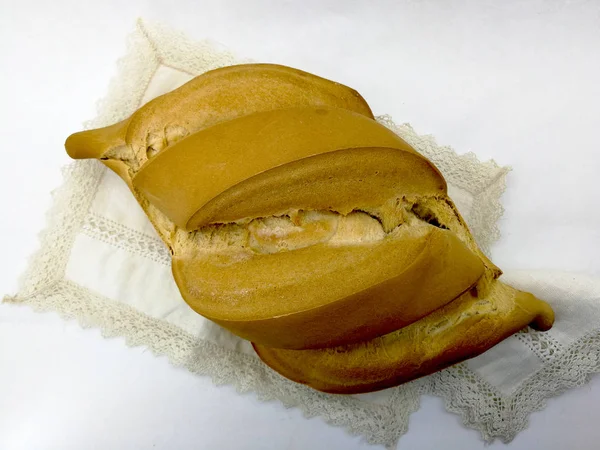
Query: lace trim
464, 393
71, 202
379, 424
125, 238
543, 345
498, 416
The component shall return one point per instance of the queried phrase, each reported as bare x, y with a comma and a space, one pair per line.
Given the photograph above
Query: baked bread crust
465, 328
298, 222
225, 172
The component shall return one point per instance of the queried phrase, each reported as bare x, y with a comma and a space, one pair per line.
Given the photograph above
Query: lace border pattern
379, 424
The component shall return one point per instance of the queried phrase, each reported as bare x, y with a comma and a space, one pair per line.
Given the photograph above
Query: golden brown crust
217, 163
325, 295
462, 329
216, 96
95, 143
235, 91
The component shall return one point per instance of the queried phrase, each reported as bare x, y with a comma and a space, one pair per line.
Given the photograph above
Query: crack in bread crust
435, 210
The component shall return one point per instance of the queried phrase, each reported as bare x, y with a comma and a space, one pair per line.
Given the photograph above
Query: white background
514, 80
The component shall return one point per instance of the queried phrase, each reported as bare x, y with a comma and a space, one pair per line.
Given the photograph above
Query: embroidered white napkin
101, 263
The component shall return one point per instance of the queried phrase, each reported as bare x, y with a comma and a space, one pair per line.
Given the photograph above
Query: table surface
516, 81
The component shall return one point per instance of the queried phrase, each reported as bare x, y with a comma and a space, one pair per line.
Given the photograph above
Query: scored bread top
330, 278
228, 93
218, 164
216, 96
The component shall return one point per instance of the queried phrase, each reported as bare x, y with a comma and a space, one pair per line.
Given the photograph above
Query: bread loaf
466, 327
231, 179
299, 223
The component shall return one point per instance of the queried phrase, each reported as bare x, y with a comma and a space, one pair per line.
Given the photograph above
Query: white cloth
101, 263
